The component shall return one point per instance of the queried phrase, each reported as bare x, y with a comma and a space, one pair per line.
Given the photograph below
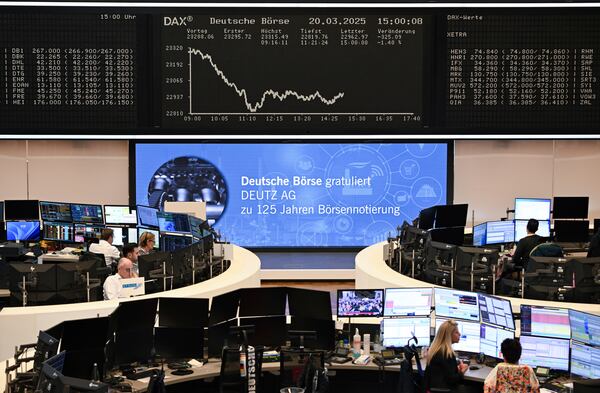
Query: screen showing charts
585, 361
119, 215
545, 321
173, 222
407, 301
469, 335
479, 234
545, 352
360, 303
456, 304
60, 231
499, 232
23, 231
89, 214
55, 211
491, 338
526, 208
307, 195
496, 311
397, 331
585, 327
84, 232
294, 67
521, 229
146, 216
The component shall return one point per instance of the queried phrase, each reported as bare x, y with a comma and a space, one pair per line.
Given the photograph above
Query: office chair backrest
299, 368
231, 379
547, 250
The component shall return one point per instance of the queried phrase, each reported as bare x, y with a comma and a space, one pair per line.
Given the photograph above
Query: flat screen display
479, 234
500, 232
119, 215
55, 211
545, 321
456, 304
496, 311
88, 214
15, 210
526, 208
397, 331
570, 207
469, 335
546, 352
521, 229
447, 216
173, 222
360, 303
146, 216
59, 231
585, 361
585, 327
303, 194
84, 232
407, 302
491, 338
24, 231
575, 231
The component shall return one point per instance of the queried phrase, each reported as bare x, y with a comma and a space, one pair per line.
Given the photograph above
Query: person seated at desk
131, 252
520, 255
147, 241
510, 376
594, 250
112, 285
443, 372
104, 246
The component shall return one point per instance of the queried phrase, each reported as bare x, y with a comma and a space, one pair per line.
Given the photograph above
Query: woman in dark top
442, 369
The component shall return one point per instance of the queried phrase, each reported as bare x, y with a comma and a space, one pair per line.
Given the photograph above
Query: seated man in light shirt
111, 253
112, 284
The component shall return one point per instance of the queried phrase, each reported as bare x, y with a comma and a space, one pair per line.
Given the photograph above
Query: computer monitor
309, 303
451, 303
545, 352
256, 302
59, 231
499, 232
577, 231
359, 302
84, 232
1, 210
396, 332
427, 218
119, 235
119, 214
173, 222
545, 321
269, 331
56, 211
570, 207
538, 208
469, 335
447, 216
146, 216
179, 343
521, 229
198, 226
50, 370
183, 312
496, 311
134, 330
491, 338
585, 327
407, 302
39, 278
438, 252
324, 328
224, 307
24, 231
454, 235
16, 210
585, 360
156, 234
479, 234
475, 257
87, 214
173, 243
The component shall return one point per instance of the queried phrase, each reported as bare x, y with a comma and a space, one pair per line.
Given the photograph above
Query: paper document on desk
132, 287
195, 363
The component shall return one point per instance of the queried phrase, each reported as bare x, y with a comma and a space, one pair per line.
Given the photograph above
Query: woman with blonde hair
443, 372
147, 240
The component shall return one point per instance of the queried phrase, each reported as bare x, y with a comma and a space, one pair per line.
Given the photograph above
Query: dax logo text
176, 20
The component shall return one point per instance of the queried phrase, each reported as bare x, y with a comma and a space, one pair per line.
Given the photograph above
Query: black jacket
442, 373
524, 247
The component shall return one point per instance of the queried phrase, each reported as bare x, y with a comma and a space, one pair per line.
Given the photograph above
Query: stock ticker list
523, 71
66, 71
292, 71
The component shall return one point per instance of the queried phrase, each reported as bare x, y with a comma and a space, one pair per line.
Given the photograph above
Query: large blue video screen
296, 194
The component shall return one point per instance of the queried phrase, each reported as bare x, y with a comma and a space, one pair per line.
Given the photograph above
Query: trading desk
371, 271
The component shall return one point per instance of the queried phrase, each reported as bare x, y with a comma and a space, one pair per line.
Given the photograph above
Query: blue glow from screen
344, 195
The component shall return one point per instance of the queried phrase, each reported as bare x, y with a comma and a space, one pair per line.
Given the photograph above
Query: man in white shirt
112, 284
111, 253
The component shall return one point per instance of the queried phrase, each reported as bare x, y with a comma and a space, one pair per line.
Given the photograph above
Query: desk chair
439, 263
474, 268
231, 379
303, 369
